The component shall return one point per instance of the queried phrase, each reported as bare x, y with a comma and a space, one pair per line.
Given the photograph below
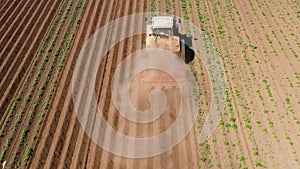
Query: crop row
51, 72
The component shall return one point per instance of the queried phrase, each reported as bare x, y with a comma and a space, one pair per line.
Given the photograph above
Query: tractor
161, 33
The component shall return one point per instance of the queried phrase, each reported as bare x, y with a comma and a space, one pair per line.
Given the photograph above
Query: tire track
94, 152
86, 141
81, 138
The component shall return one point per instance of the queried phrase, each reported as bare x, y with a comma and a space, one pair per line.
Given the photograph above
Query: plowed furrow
4, 6
63, 144
84, 31
13, 16
26, 108
14, 25
95, 153
23, 60
53, 117
83, 141
15, 42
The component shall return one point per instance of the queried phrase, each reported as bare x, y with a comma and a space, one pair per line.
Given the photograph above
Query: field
258, 43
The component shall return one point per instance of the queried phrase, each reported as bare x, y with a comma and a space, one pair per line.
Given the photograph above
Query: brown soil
263, 84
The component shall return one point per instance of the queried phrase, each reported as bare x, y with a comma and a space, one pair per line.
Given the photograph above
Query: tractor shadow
185, 42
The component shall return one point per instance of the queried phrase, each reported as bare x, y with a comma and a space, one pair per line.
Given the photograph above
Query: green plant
33, 138
248, 126
27, 98
258, 164
234, 127
242, 159
202, 160
2, 155
24, 133
287, 100
17, 99
14, 155
7, 142
271, 124
46, 106
28, 154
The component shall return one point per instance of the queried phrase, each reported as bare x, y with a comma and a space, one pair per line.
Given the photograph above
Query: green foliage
14, 155
27, 98
271, 124
269, 91
17, 99
234, 127
202, 160
248, 126
46, 106
24, 133
7, 142
221, 122
34, 105
42, 88
258, 164
242, 159
2, 155
33, 138
28, 154
287, 100
232, 119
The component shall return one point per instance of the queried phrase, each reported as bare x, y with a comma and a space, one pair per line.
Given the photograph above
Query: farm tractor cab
163, 33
